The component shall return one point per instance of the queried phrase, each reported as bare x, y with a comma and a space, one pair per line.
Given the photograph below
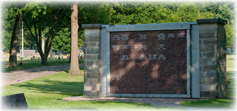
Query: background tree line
51, 21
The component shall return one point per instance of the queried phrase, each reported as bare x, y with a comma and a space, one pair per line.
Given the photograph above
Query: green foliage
62, 40
187, 12
44, 20
228, 82
156, 12
6, 40
116, 13
93, 13
222, 10
87, 14
9, 15
230, 38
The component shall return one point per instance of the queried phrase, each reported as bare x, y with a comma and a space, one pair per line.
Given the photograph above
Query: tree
44, 20
9, 17
14, 40
74, 65
52, 21
90, 13
62, 40
222, 10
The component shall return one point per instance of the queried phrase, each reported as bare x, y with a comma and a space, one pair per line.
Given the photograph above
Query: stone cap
207, 21
92, 25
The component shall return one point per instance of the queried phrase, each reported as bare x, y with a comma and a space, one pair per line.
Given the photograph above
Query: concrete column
195, 74
92, 60
212, 50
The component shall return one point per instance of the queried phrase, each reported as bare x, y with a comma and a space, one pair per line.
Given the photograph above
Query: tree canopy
53, 19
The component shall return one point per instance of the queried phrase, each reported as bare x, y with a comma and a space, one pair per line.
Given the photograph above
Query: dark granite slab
148, 62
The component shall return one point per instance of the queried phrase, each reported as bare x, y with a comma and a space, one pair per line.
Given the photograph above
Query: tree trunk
74, 65
44, 56
44, 59
13, 48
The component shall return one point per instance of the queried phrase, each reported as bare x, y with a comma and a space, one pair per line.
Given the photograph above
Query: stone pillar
212, 41
92, 72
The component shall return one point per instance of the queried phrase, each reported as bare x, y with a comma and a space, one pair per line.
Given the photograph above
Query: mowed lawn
31, 63
28, 63
231, 74
47, 93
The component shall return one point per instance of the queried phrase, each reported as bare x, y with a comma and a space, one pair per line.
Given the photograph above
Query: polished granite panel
148, 62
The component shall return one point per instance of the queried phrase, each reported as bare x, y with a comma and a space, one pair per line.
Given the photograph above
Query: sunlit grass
47, 93
222, 103
230, 61
232, 86
28, 63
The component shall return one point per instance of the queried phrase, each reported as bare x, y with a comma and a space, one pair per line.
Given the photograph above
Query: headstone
228, 50
16, 101
28, 53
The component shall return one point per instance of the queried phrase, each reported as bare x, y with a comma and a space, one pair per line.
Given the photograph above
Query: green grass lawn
47, 93
28, 63
214, 103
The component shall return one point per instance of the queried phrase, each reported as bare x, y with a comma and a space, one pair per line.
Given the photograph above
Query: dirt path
18, 76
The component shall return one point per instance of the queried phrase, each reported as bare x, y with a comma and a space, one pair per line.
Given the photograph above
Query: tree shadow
81, 68
56, 87
59, 68
66, 71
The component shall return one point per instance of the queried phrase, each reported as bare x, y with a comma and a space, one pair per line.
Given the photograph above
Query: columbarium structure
186, 60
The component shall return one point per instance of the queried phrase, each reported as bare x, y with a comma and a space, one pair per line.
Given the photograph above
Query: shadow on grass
55, 87
81, 68
66, 71
82, 109
60, 67
34, 65
72, 108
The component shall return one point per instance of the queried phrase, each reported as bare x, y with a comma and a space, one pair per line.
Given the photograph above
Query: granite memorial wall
155, 60
148, 62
